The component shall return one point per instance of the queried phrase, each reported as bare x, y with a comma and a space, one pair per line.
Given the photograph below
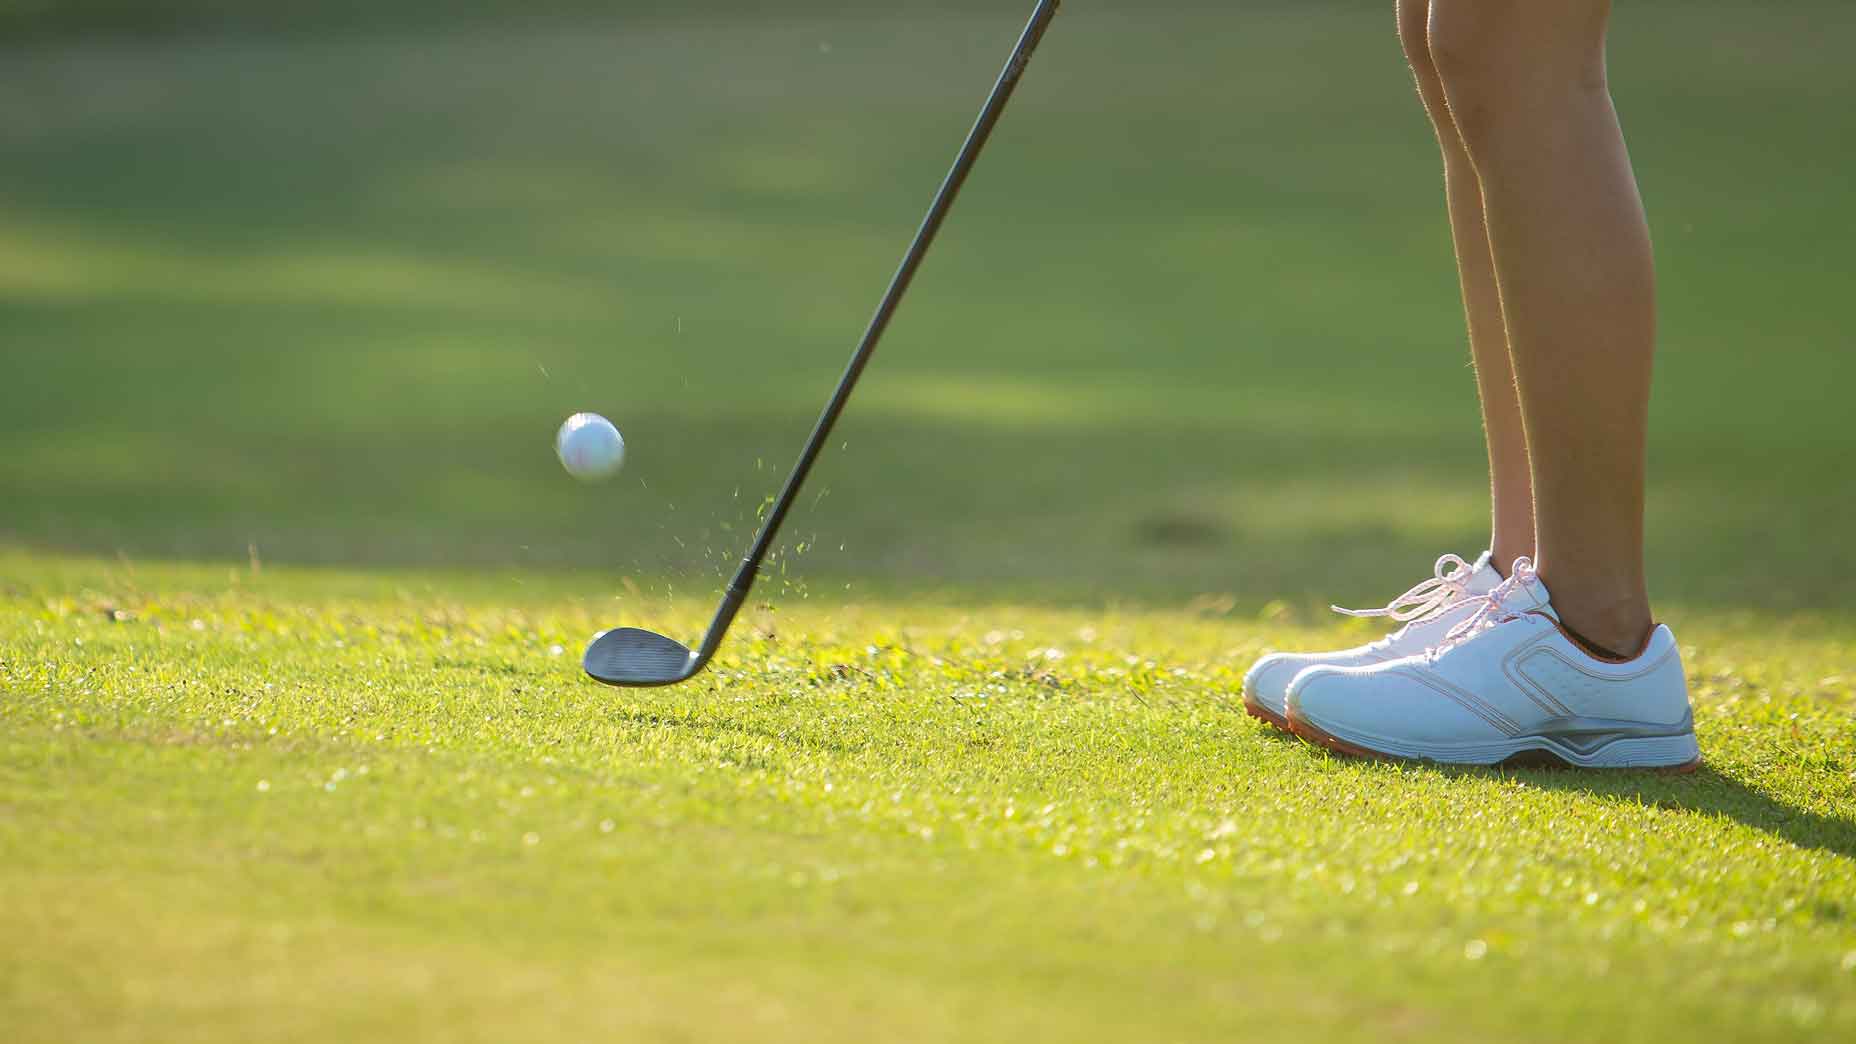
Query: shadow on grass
1708, 792
1705, 791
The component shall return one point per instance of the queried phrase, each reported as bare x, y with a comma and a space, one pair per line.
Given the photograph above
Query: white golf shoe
1428, 611
1506, 682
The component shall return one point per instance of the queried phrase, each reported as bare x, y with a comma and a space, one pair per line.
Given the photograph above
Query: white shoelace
1429, 599
1492, 609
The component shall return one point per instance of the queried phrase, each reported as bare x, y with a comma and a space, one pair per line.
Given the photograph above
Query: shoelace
1492, 609
1429, 599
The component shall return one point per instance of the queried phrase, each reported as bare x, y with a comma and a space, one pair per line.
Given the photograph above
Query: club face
631, 656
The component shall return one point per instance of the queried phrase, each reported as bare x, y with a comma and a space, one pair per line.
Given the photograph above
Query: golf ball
589, 446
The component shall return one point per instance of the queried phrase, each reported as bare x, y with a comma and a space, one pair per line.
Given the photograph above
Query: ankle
1502, 556
1612, 627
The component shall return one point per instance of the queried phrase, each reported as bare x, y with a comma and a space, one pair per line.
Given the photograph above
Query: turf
292, 742
1195, 313
312, 805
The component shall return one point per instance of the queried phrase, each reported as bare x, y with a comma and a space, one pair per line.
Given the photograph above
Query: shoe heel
1662, 753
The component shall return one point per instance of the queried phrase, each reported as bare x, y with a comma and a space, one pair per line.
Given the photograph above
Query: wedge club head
636, 657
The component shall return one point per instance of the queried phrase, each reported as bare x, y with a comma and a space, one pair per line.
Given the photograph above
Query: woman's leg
1511, 490
1524, 81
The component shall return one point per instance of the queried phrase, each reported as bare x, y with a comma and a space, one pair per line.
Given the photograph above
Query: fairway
375, 806
293, 740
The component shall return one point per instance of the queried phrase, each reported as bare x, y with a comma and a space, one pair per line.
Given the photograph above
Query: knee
1496, 59
1478, 61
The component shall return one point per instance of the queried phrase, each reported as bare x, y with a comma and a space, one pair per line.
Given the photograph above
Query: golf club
636, 657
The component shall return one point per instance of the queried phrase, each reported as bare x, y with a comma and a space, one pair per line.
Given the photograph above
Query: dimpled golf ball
590, 447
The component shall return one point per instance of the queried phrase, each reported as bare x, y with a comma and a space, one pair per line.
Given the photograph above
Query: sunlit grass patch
1034, 815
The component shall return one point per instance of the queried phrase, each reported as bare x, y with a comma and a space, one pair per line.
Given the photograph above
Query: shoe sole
1262, 713
1521, 757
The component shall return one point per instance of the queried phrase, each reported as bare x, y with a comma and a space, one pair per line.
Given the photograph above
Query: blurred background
316, 282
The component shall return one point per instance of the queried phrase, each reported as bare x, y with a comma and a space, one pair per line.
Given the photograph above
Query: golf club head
631, 656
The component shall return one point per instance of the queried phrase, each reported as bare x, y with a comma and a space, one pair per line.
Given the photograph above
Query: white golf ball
589, 446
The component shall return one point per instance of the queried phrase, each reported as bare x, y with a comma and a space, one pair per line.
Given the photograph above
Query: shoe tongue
1531, 598
1482, 575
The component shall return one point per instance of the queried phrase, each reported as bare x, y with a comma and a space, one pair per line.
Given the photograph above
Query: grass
331, 295
306, 804
292, 744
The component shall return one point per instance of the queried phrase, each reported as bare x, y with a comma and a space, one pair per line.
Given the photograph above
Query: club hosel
732, 600
745, 575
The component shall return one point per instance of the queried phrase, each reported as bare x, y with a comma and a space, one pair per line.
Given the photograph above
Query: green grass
1196, 312
287, 749
374, 806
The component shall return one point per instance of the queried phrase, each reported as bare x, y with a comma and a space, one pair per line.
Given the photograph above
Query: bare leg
1511, 489
1526, 88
